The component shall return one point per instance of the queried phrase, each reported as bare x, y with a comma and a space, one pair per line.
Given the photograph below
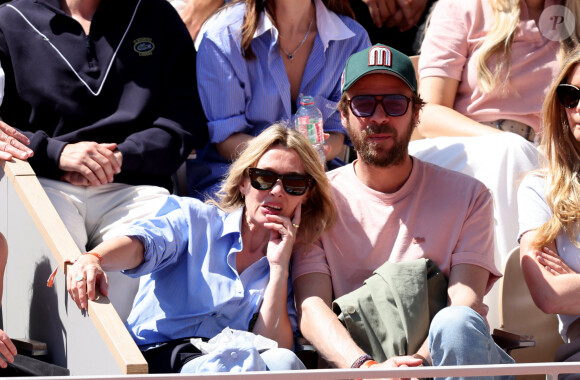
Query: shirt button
350, 309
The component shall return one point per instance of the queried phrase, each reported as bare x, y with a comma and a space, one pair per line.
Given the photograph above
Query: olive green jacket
390, 314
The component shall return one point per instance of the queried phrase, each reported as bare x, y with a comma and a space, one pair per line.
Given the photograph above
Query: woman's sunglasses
293, 184
365, 105
568, 95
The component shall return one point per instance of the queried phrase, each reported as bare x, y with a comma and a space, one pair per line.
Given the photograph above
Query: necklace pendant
290, 56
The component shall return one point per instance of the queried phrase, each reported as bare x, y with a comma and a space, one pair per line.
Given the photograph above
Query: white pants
91, 214
95, 213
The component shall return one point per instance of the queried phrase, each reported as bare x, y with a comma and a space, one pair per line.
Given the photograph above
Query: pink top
450, 50
439, 214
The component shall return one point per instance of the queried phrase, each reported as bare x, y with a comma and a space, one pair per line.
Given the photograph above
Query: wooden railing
91, 342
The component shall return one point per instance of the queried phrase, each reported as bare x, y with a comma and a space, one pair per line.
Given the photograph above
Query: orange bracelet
367, 364
50, 280
96, 255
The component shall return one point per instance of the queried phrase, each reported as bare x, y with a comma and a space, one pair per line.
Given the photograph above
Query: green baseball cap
378, 59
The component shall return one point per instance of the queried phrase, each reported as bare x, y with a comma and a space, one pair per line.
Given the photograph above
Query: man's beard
370, 152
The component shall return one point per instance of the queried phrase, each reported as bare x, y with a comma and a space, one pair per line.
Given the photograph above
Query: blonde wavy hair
498, 43
318, 212
571, 42
562, 164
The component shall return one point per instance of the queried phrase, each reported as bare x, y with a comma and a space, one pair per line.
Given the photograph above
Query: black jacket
131, 81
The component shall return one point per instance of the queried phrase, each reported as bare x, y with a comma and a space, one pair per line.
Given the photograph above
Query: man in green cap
394, 210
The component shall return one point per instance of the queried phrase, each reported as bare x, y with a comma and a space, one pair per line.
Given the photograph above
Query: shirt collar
330, 26
233, 222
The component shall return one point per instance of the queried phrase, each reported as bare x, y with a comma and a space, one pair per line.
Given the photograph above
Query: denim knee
457, 321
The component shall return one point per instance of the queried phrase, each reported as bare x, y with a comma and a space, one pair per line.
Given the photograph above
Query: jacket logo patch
144, 46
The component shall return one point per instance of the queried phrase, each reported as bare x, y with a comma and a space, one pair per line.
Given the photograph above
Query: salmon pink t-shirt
451, 48
438, 214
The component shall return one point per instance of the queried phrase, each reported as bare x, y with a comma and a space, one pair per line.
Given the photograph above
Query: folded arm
439, 118
551, 289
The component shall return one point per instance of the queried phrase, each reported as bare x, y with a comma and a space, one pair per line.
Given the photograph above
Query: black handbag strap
170, 356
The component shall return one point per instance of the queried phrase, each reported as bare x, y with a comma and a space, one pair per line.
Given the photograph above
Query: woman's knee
281, 359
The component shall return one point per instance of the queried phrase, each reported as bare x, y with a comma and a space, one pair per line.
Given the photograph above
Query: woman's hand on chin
283, 231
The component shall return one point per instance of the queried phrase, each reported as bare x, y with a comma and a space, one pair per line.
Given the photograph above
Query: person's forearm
273, 321
335, 141
120, 253
437, 120
196, 12
551, 293
323, 329
423, 353
231, 147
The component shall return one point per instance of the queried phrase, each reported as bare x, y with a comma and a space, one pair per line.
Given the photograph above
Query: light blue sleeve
164, 237
221, 89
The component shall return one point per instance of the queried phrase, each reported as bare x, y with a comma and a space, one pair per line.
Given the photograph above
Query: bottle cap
306, 100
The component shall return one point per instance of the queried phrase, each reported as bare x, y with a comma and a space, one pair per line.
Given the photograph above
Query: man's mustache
373, 129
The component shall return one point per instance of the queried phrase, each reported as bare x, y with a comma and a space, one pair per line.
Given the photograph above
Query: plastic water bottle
308, 121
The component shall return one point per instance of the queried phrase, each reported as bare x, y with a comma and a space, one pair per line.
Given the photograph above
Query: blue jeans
245, 359
459, 336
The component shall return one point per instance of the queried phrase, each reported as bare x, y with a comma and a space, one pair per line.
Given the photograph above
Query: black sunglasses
365, 105
568, 95
293, 184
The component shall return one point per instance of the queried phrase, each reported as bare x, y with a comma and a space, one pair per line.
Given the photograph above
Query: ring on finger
80, 277
296, 225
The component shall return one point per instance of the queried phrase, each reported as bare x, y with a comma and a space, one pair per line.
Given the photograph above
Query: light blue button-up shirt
247, 96
190, 286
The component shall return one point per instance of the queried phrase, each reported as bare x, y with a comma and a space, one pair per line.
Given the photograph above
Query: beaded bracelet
358, 362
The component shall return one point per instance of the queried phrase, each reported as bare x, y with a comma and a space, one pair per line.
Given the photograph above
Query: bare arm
322, 328
117, 254
467, 285
273, 320
550, 291
196, 12
439, 118
335, 141
319, 324
231, 147
7, 348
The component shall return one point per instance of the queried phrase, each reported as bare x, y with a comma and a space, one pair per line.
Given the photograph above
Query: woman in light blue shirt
224, 263
255, 59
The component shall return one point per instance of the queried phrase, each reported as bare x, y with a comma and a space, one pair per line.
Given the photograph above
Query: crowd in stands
266, 242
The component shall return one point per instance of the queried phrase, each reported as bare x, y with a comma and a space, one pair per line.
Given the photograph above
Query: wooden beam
62, 246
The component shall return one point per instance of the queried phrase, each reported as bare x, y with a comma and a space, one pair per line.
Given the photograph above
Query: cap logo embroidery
379, 56
144, 46
342, 78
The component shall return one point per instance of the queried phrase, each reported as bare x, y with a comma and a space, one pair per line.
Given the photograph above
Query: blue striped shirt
247, 96
190, 286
